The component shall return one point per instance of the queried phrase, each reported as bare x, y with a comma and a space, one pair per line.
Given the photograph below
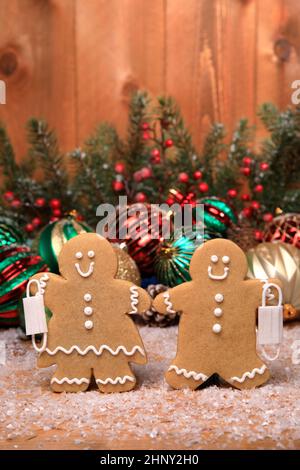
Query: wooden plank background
76, 62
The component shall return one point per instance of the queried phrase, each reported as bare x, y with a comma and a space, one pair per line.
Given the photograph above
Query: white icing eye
79, 255
225, 259
91, 254
214, 259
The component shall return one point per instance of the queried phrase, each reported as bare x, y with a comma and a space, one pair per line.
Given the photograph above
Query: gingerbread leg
248, 375
68, 378
113, 373
180, 377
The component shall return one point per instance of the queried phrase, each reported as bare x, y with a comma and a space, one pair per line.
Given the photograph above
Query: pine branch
7, 158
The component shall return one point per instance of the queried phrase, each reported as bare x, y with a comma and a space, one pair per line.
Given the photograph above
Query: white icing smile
86, 273
215, 276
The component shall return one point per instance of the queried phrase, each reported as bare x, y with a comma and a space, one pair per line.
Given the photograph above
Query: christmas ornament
127, 268
133, 226
55, 235
284, 228
280, 261
9, 234
151, 317
218, 215
17, 265
172, 261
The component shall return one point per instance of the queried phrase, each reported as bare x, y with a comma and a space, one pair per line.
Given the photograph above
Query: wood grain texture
76, 62
37, 64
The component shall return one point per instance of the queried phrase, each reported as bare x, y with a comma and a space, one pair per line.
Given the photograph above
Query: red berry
247, 212
232, 193
29, 228
255, 205
170, 201
55, 203
259, 188
203, 187
247, 161
140, 197
258, 235
146, 135
197, 175
137, 176
40, 202
169, 143
8, 196
264, 166
245, 170
36, 222
245, 197
146, 173
268, 217
16, 204
56, 212
118, 186
183, 177
155, 153
145, 126
119, 167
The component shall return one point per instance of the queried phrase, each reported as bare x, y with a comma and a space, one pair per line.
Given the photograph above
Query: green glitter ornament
218, 215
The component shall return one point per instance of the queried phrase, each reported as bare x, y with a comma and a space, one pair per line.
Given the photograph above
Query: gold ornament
127, 268
280, 261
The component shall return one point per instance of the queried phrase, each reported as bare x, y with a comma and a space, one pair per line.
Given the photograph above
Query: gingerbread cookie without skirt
91, 332
217, 329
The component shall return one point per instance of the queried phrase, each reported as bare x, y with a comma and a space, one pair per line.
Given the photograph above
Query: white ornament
87, 297
88, 310
88, 324
217, 328
218, 312
219, 298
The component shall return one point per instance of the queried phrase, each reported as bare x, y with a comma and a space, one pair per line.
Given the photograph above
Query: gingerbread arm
173, 299
51, 285
134, 298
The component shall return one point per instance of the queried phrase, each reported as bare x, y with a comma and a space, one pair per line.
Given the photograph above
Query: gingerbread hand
173, 300
51, 285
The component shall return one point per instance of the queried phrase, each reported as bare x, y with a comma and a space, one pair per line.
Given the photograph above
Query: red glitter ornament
284, 228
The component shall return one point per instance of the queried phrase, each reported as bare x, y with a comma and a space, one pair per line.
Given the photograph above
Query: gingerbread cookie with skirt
91, 332
217, 329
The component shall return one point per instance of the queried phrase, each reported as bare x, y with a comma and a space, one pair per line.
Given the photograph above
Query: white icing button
217, 328
218, 312
79, 255
225, 259
88, 324
91, 254
219, 298
87, 297
88, 310
214, 259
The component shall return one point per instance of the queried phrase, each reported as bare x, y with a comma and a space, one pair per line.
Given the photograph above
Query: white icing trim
188, 374
88, 272
120, 380
168, 303
215, 277
134, 299
70, 381
250, 375
98, 352
43, 283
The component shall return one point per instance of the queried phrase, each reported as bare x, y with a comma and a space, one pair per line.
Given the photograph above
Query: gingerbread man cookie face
217, 329
91, 332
